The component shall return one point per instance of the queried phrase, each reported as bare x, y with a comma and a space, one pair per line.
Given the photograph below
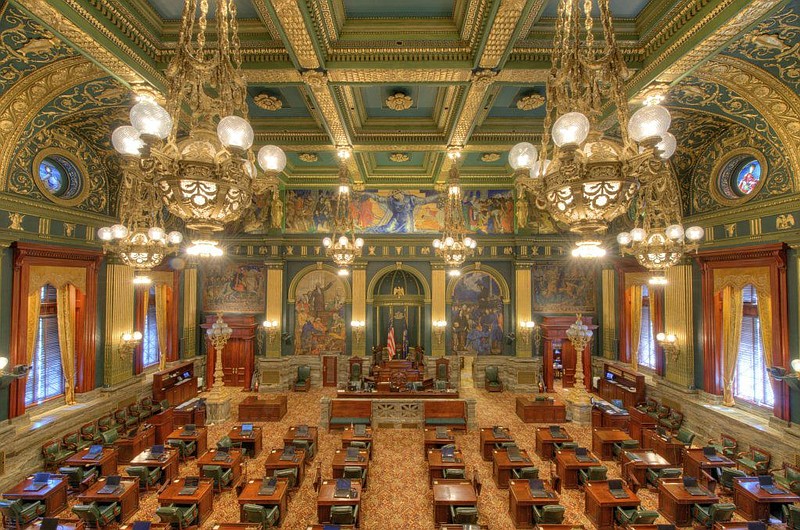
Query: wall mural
399, 212
319, 326
563, 288
477, 315
234, 288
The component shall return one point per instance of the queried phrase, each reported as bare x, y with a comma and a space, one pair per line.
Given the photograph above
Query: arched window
46, 377
150, 351
751, 382
647, 345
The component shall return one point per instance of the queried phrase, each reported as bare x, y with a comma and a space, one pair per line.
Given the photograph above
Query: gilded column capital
274, 265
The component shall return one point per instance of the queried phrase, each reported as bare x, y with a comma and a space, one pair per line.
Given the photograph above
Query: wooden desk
325, 500
153, 526
448, 493
63, 524
190, 412
127, 496
249, 495
603, 440
203, 497
671, 449
639, 422
253, 444
234, 463
348, 435
600, 503
675, 503
127, 448
53, 495
521, 502
341, 527
436, 465
695, 462
753, 503
636, 463
731, 525
488, 439
200, 437
236, 526
545, 442
567, 467
255, 408
311, 437
339, 463
549, 411
610, 417
169, 465
432, 442
106, 464
274, 462
164, 424
502, 466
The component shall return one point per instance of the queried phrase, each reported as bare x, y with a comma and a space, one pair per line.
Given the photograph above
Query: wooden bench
450, 413
346, 412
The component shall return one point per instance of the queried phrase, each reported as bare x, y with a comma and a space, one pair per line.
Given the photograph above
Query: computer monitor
609, 376
615, 484
709, 451
223, 449
141, 525
689, 482
765, 480
49, 523
536, 484
581, 451
157, 450
756, 525
191, 482
41, 478
247, 428
189, 427
113, 480
95, 449
186, 375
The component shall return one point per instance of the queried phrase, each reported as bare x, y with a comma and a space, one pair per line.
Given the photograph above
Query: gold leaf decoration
399, 101
490, 157
530, 102
267, 102
399, 157
308, 157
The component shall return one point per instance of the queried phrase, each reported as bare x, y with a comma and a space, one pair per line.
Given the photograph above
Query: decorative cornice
294, 27
503, 27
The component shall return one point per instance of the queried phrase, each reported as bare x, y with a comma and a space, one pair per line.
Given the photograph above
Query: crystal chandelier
590, 180
343, 247
455, 246
208, 176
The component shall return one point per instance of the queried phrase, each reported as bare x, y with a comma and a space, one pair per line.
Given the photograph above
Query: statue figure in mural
276, 211
401, 208
316, 297
522, 213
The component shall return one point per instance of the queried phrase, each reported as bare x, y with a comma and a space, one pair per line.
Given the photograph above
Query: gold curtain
161, 324
635, 296
34, 306
732, 308
765, 322
65, 307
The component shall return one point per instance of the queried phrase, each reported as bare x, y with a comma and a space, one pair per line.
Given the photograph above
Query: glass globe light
271, 158
437, 243
468, 242
695, 233
236, 132
326, 242
126, 337
624, 238
343, 240
119, 231
3, 362
674, 232
638, 234
522, 155
667, 145
448, 241
105, 234
126, 140
150, 118
660, 337
570, 129
649, 122
359, 242
539, 168
137, 335
175, 237
156, 233
795, 365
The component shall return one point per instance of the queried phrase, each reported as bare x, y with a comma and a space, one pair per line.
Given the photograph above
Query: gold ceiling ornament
208, 177
454, 246
590, 180
399, 101
308, 157
343, 247
267, 102
399, 157
490, 157
530, 102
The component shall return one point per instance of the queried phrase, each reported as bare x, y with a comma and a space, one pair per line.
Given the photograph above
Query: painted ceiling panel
374, 98
290, 99
505, 104
173, 9
409, 8
619, 8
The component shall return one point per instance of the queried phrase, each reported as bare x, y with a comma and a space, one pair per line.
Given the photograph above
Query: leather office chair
185, 449
528, 472
441, 376
464, 514
221, 477
106, 422
75, 442
629, 516
790, 479
625, 445
685, 436
55, 454
152, 407
548, 514
654, 475
289, 473
493, 383
726, 446
17, 513
673, 421
89, 432
308, 446
356, 472
267, 516
561, 446
147, 476
504, 445
727, 477
755, 461
791, 514
303, 382
164, 404
109, 437
77, 475
122, 418
453, 472
96, 515
344, 514
136, 411
180, 516
591, 474
714, 513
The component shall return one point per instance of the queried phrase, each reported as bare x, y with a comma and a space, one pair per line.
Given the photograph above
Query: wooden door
238, 356
234, 365
329, 367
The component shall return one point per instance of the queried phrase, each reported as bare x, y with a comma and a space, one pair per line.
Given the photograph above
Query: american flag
390, 346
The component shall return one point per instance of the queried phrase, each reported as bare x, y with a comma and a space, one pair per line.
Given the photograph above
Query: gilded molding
273, 76
326, 106
481, 81
398, 75
294, 27
503, 26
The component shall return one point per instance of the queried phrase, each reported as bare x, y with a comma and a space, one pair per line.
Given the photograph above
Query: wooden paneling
238, 356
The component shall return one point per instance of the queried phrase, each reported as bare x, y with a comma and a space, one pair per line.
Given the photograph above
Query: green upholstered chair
728, 475
441, 376
17, 513
308, 446
628, 516
685, 436
448, 447
266, 516
147, 476
661, 411
527, 472
74, 442
180, 516
502, 445
727, 445
106, 422
453, 472
548, 514
754, 462
356, 473
89, 432
565, 446
464, 514
152, 407
790, 479
109, 437
625, 445
97, 515
649, 405
791, 516
289, 473
55, 453
493, 383
344, 514
673, 421
361, 445
185, 449
122, 418
440, 385
77, 475
713, 513
164, 404
654, 475
221, 477
303, 382
592, 473
225, 443
136, 410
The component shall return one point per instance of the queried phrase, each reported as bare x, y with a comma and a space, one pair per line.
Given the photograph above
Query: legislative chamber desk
253, 443
489, 438
274, 462
234, 463
603, 440
448, 493
203, 498
612, 417
127, 496
106, 464
639, 423
349, 435
63, 524
164, 422
670, 448
325, 499
200, 437
234, 526
601, 504
339, 527
340, 461
545, 441
400, 394
753, 503
521, 502
128, 447
433, 442
675, 503
502, 466
168, 464
255, 408
695, 462
312, 437
249, 495
190, 412
53, 495
550, 410
436, 465
636, 462
567, 467
621, 383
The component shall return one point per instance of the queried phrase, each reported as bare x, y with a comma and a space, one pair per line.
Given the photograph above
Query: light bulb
343, 240
137, 335
326, 242
271, 158
624, 238
671, 338
343, 154
674, 232
695, 233
126, 337
236, 132
588, 250
3, 362
448, 241
119, 231
638, 234
570, 129
660, 337
454, 272
359, 242
468, 242
156, 233
437, 243
105, 234
539, 168
344, 272
667, 145
126, 140
649, 122
796, 365
175, 237
522, 155
150, 118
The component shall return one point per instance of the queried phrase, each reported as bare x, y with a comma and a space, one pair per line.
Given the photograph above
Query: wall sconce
779, 373
669, 343
526, 329
438, 330
16, 372
129, 343
357, 327
272, 329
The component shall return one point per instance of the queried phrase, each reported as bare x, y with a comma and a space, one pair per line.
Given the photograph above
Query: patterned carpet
398, 496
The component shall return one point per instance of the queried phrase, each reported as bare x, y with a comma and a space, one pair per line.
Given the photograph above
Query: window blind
150, 337
46, 378
647, 346
751, 382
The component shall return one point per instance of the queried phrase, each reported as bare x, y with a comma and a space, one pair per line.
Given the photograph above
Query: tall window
751, 382
46, 378
647, 346
150, 333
